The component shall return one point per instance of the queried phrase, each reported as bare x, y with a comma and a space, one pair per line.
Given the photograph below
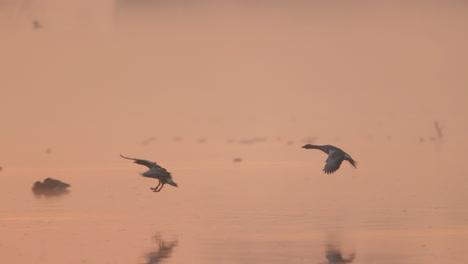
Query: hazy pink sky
94, 82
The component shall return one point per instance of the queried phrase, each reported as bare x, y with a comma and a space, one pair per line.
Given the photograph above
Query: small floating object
237, 160
50, 187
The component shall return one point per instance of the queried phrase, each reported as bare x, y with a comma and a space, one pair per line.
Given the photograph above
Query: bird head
309, 146
37, 185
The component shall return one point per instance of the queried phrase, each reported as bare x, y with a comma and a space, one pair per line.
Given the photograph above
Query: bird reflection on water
334, 255
163, 251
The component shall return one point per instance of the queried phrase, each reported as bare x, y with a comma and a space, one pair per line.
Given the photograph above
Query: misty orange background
101, 77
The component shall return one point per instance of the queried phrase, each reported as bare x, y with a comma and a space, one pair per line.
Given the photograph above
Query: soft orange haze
194, 85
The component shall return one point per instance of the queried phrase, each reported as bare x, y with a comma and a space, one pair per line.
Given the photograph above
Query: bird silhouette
155, 171
335, 157
50, 187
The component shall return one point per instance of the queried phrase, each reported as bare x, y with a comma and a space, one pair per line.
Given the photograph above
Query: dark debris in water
50, 187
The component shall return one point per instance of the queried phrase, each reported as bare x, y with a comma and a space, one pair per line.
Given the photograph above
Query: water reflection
50, 187
163, 251
333, 252
334, 255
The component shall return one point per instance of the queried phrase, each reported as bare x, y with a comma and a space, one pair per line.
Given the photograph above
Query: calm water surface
245, 213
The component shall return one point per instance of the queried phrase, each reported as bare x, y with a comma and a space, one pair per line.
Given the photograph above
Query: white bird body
156, 172
335, 157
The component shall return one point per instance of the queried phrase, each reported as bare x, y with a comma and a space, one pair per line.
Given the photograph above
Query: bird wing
147, 163
333, 162
157, 173
348, 158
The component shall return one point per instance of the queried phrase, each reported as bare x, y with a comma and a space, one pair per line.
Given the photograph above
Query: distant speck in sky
252, 140
148, 140
36, 24
438, 129
309, 140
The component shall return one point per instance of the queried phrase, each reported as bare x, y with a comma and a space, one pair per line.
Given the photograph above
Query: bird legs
155, 189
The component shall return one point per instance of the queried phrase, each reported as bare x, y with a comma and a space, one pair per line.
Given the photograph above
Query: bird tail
353, 162
171, 182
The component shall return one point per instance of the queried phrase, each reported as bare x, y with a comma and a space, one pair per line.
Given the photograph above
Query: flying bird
335, 157
155, 171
